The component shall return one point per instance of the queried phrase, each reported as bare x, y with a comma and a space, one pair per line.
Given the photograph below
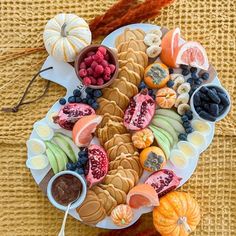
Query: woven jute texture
24, 211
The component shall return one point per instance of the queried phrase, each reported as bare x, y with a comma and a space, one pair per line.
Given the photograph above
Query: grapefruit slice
142, 195
193, 54
84, 128
170, 45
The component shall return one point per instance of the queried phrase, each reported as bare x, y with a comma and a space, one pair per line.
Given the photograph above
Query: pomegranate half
97, 164
163, 181
72, 112
140, 111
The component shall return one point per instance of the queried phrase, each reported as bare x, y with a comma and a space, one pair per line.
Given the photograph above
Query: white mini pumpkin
65, 35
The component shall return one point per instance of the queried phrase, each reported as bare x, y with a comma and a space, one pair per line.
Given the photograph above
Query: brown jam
66, 188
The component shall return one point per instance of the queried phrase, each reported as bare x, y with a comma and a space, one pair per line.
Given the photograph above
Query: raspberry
104, 64
95, 74
98, 57
99, 69
94, 81
107, 71
107, 57
100, 81
87, 81
90, 71
102, 50
88, 60
112, 67
107, 77
90, 54
82, 73
82, 65
94, 64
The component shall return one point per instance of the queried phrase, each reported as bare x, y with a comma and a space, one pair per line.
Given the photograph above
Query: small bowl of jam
64, 188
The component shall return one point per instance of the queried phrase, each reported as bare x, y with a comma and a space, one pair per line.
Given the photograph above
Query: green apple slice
52, 161
169, 113
175, 124
162, 141
75, 149
161, 123
164, 132
59, 154
65, 146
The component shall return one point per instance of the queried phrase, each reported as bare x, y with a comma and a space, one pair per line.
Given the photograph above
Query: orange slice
84, 128
193, 54
142, 195
170, 45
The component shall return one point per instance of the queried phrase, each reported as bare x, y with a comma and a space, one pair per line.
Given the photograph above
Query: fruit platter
139, 110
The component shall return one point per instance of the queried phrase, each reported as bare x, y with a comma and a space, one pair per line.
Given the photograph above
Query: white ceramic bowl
80, 199
221, 116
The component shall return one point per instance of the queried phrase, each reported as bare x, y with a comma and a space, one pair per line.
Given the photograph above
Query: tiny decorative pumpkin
142, 138
65, 35
166, 97
152, 158
156, 75
122, 215
177, 215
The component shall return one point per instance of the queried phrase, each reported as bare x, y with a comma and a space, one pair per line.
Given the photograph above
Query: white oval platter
64, 74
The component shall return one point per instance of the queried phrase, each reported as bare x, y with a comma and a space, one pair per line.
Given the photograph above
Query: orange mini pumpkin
177, 215
143, 138
166, 97
156, 75
122, 215
152, 158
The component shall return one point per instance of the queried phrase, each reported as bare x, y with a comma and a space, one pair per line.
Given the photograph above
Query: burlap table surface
23, 208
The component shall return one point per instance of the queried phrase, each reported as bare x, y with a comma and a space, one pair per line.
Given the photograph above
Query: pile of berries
186, 118
90, 99
96, 68
80, 165
195, 80
210, 102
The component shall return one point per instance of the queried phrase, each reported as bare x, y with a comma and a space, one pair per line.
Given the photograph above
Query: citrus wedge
170, 45
193, 54
84, 128
142, 195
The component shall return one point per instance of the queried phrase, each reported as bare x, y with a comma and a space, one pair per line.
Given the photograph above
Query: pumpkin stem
144, 137
63, 31
183, 221
123, 221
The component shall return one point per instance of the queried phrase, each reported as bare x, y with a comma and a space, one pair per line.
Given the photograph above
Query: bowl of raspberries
96, 66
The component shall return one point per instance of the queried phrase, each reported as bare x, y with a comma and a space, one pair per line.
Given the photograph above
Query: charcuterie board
65, 75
